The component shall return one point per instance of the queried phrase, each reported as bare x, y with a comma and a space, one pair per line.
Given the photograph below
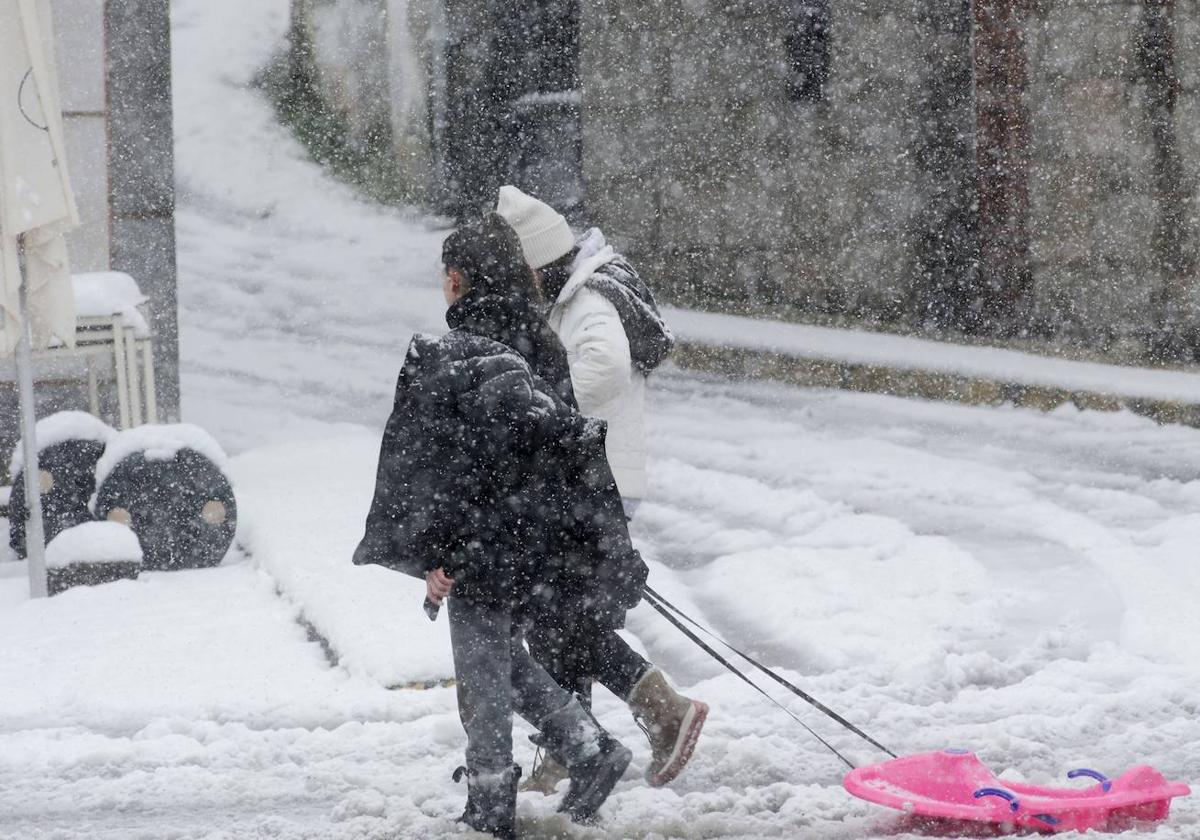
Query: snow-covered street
1017, 583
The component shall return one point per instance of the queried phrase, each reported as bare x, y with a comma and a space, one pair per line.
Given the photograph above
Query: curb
915, 383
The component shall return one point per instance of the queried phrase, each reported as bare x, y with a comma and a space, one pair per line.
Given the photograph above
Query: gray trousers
495, 677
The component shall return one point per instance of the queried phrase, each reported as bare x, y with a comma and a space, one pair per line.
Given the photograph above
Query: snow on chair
112, 342
110, 325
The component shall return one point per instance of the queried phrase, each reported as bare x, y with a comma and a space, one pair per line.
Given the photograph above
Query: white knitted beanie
545, 234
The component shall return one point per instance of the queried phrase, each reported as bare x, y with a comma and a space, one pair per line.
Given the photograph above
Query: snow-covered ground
905, 353
1017, 583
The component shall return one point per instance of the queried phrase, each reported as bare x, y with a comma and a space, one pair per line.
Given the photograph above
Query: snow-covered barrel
167, 483
91, 554
70, 444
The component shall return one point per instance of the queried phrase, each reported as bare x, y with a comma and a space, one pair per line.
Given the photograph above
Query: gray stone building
1022, 169
114, 66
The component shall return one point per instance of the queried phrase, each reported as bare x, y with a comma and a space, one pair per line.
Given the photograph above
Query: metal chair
110, 346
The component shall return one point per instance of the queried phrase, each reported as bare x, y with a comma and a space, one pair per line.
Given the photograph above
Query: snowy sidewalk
1011, 581
210, 644
303, 505
862, 360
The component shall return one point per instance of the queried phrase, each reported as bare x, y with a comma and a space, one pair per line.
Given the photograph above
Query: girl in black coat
573, 633
471, 480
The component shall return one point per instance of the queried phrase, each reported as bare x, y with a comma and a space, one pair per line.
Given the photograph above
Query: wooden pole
1171, 188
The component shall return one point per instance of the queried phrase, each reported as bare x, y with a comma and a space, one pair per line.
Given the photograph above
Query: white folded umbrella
37, 207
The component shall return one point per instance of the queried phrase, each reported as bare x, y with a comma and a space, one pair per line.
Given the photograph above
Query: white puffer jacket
606, 383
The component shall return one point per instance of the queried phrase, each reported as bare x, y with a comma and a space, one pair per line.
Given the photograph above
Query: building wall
695, 158
114, 65
113, 61
1092, 204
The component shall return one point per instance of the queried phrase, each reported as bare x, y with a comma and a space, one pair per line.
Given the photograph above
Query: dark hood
517, 322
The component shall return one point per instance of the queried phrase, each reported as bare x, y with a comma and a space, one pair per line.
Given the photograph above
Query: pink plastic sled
955, 785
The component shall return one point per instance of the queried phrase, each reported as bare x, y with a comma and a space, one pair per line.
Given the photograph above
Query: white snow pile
59, 428
302, 509
900, 352
100, 294
158, 442
93, 543
169, 653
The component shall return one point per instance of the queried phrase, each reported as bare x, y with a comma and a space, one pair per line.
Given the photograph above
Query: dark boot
593, 780
491, 801
548, 769
595, 760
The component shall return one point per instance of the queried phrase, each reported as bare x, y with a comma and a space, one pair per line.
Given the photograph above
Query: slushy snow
1016, 583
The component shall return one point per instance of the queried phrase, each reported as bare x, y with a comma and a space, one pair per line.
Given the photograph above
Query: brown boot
546, 775
671, 721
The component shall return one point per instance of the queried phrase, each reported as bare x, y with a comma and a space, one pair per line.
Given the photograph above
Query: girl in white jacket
578, 279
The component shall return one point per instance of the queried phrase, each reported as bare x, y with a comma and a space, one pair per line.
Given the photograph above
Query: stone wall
1024, 168
1092, 204
696, 157
704, 169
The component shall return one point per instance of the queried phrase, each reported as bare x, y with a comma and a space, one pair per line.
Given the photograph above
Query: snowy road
1018, 583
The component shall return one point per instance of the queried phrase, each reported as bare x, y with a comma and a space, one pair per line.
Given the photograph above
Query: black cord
652, 601
20, 93
653, 597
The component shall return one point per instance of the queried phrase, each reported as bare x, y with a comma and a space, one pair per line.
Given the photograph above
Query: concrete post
142, 173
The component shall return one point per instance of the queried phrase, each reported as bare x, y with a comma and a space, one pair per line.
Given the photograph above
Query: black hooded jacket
485, 470
517, 322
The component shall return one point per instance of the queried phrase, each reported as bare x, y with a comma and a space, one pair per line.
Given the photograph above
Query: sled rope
733, 668
662, 604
